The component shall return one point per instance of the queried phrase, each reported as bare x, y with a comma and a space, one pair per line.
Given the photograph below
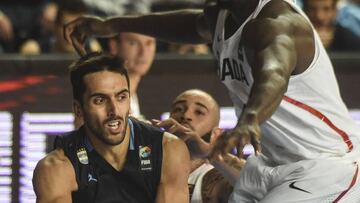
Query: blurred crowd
336, 21
35, 26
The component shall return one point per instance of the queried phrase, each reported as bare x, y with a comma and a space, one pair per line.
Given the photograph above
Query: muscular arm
278, 43
271, 42
175, 171
274, 61
184, 26
54, 179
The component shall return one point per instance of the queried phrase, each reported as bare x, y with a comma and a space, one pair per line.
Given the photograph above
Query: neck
115, 155
134, 82
241, 9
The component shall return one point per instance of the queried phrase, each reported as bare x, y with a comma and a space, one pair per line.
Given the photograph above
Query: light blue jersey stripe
89, 147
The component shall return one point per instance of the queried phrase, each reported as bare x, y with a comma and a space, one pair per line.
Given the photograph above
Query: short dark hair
91, 63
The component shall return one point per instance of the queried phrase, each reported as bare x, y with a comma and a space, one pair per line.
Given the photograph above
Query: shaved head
197, 110
213, 105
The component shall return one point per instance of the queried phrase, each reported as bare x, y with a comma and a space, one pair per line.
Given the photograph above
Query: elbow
277, 78
280, 76
282, 84
281, 81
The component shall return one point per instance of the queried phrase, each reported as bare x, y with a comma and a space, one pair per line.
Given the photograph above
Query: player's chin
143, 68
114, 139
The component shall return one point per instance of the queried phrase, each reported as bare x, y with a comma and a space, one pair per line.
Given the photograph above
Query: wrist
248, 116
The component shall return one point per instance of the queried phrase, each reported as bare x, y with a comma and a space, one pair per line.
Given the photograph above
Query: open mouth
113, 126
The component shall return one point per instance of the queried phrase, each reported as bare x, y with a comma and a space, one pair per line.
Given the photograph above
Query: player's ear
215, 134
78, 113
77, 108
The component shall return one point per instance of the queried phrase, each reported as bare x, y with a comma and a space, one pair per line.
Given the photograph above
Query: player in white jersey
194, 117
284, 90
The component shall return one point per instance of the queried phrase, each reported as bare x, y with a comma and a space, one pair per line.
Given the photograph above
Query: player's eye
199, 112
99, 100
178, 109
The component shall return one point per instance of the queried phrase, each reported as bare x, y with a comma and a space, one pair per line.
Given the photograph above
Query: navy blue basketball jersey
98, 181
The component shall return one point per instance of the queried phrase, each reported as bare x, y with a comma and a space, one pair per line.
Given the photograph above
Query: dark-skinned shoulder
274, 19
279, 21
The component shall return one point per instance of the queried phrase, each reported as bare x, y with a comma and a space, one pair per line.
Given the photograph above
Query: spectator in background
138, 51
51, 39
322, 13
36, 44
68, 11
6, 30
349, 16
23, 21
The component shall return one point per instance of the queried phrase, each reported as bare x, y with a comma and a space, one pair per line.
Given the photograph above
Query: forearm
266, 95
176, 26
272, 68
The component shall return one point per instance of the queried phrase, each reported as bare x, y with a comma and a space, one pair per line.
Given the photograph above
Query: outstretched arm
274, 60
184, 26
197, 147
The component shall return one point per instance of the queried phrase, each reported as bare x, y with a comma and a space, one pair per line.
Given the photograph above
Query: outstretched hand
79, 30
197, 146
234, 141
172, 126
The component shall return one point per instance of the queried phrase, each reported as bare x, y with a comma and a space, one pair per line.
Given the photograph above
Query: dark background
41, 84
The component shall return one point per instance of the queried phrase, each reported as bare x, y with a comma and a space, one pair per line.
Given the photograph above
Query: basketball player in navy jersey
283, 87
112, 157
